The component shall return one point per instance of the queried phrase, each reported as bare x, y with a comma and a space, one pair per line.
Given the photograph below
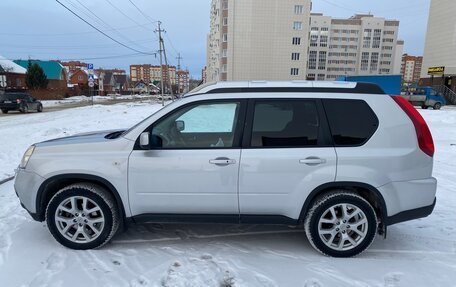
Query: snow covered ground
416, 253
96, 99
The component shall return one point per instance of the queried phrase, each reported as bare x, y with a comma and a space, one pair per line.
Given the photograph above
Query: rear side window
352, 122
285, 123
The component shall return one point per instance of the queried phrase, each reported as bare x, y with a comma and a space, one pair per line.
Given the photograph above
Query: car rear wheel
39, 108
82, 216
341, 224
24, 110
5, 111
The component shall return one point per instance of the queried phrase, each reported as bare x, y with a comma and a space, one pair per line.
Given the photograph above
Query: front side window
285, 123
202, 126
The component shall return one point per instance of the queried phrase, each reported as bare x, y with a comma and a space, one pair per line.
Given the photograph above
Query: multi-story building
150, 74
411, 68
258, 40
440, 47
183, 81
360, 45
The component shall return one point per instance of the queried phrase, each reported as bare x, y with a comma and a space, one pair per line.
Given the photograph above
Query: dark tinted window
12, 97
352, 122
287, 123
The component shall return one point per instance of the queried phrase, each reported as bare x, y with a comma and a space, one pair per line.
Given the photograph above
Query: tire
424, 107
90, 227
39, 109
5, 111
341, 231
437, 106
24, 110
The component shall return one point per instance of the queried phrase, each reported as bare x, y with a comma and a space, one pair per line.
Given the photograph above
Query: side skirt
215, 218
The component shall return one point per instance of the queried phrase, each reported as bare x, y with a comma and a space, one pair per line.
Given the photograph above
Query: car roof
287, 87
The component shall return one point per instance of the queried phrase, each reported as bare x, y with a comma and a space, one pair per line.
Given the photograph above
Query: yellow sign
436, 70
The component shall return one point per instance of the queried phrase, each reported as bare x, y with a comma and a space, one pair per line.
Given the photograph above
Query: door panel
183, 182
192, 166
277, 181
288, 154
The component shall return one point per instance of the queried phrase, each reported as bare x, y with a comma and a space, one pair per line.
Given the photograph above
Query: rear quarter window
352, 122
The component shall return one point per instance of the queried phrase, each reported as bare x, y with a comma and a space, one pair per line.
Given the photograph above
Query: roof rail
288, 87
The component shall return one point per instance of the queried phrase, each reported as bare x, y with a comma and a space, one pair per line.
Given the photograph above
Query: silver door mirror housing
144, 140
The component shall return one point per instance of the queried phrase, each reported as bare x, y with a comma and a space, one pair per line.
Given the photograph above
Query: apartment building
360, 45
258, 40
151, 73
411, 68
183, 81
440, 47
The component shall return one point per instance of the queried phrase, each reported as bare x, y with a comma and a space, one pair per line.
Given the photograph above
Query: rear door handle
312, 161
222, 161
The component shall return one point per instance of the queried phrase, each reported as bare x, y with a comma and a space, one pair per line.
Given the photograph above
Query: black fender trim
345, 184
41, 195
411, 214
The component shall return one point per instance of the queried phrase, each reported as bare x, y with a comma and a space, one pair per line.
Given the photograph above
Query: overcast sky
42, 29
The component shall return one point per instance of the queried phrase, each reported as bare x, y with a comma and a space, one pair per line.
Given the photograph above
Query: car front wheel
82, 216
40, 108
341, 224
5, 111
24, 110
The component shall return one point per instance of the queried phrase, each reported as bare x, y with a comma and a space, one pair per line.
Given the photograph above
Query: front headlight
27, 156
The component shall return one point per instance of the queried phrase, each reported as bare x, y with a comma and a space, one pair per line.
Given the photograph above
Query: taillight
423, 134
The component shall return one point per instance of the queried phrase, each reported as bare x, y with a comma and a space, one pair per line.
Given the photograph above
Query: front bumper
26, 185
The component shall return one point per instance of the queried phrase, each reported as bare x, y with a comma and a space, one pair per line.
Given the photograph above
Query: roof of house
120, 79
107, 77
53, 70
11, 67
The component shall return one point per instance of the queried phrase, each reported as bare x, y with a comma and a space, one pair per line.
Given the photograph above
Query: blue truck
424, 97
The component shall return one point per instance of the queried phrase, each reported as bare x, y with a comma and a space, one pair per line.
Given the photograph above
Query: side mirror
180, 126
144, 140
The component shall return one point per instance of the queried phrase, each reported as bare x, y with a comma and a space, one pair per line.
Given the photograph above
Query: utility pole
168, 69
179, 58
161, 50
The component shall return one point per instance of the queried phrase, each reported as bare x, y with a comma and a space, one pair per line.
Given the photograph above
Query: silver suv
343, 160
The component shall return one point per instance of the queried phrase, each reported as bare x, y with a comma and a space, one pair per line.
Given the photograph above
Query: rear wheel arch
366, 191
52, 185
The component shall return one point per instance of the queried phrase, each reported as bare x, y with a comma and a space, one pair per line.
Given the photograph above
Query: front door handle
222, 161
312, 161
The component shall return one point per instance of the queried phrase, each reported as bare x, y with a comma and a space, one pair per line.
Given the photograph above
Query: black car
19, 102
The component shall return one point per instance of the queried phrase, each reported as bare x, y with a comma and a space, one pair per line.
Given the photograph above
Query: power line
106, 35
99, 20
81, 47
92, 58
124, 14
70, 34
142, 13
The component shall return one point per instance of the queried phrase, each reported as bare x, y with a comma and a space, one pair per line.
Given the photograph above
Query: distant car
425, 97
21, 102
